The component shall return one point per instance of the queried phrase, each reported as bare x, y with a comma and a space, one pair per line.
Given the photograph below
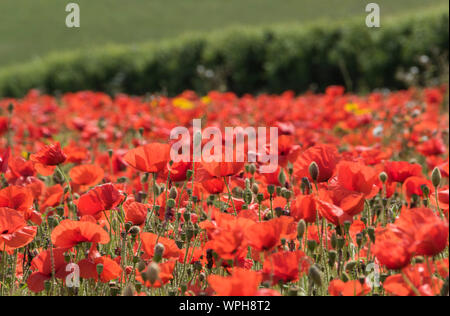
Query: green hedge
253, 60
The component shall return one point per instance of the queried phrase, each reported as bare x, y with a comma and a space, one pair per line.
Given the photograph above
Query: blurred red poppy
50, 155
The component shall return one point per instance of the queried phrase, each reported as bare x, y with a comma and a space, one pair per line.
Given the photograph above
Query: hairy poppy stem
230, 196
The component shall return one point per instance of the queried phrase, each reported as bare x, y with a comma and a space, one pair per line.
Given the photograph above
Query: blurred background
138, 46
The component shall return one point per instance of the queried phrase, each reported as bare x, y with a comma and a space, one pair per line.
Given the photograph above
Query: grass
33, 28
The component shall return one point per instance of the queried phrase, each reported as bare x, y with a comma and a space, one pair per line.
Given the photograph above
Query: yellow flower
183, 103
355, 109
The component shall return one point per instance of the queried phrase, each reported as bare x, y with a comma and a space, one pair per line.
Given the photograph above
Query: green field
33, 28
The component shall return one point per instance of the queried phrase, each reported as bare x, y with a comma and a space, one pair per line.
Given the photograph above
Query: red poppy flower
286, 266
416, 280
70, 233
171, 249
242, 282
42, 267
14, 232
350, 288
428, 232
326, 158
165, 274
355, 176
304, 207
135, 212
4, 156
102, 198
392, 247
413, 186
223, 169
86, 175
50, 155
149, 158
264, 236
88, 269
18, 198
399, 171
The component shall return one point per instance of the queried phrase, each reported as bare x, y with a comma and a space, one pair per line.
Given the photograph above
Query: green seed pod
314, 171
144, 177
252, 168
359, 239
122, 180
189, 174
436, 177
334, 240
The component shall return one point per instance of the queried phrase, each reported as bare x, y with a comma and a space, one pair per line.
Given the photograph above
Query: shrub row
253, 60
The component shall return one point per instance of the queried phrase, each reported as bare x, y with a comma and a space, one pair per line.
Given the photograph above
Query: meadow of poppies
91, 203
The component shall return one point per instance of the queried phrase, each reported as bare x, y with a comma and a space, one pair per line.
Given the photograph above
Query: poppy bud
347, 225
350, 266
286, 194
371, 233
260, 197
314, 171
315, 275
312, 244
345, 277
255, 188
332, 255
99, 268
305, 185
128, 291
110, 153
134, 230
334, 240
141, 196
436, 177
340, 243
128, 225
282, 177
383, 177
58, 177
156, 189
173, 193
144, 177
444, 289
252, 168
301, 228
278, 190
248, 196
159, 251
425, 190
359, 238
141, 265
152, 273
189, 174
271, 189
170, 203
47, 285
66, 258
293, 291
